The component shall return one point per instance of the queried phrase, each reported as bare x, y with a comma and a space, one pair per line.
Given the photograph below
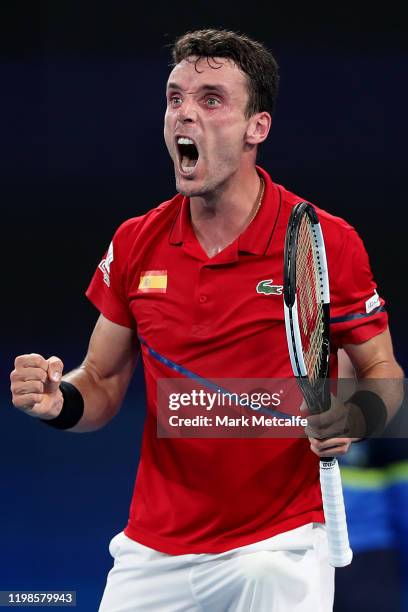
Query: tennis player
215, 524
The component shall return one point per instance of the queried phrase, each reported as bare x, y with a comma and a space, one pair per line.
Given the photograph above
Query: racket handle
340, 553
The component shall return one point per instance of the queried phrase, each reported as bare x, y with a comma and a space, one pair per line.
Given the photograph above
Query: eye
175, 101
212, 102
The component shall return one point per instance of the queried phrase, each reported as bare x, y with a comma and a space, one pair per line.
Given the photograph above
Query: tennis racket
307, 315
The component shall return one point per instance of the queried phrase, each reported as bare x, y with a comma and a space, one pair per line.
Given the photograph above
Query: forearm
354, 415
102, 396
104, 376
377, 371
386, 381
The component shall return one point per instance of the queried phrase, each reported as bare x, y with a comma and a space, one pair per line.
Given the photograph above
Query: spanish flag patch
153, 281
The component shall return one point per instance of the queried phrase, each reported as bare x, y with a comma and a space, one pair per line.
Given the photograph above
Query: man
215, 524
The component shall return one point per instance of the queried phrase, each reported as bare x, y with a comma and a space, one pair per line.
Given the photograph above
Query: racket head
307, 304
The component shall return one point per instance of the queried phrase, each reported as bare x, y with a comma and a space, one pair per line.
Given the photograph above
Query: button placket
202, 314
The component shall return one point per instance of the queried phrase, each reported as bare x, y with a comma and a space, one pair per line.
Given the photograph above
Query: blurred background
82, 102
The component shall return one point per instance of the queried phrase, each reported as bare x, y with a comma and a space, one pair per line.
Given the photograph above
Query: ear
258, 128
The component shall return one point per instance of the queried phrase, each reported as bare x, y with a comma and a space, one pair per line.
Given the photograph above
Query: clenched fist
35, 385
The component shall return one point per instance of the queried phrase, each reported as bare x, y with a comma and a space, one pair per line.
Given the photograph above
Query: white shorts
286, 573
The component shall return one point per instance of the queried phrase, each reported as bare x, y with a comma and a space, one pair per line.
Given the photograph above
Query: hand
331, 433
35, 385
333, 447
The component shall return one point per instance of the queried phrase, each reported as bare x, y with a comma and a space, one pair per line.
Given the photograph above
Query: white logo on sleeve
104, 266
373, 302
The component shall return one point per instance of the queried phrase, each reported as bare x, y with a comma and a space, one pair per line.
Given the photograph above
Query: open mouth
188, 154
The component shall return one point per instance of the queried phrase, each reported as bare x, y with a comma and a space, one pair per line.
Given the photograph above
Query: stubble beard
207, 188
189, 187
186, 190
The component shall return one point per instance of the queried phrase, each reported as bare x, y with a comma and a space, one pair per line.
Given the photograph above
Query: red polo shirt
208, 495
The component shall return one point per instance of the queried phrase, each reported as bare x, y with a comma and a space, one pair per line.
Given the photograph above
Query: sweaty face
205, 123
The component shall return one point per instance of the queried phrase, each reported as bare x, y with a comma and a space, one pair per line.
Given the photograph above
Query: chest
184, 297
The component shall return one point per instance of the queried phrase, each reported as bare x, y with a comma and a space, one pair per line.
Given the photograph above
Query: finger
335, 451
28, 401
55, 369
328, 442
327, 446
32, 386
28, 373
31, 360
336, 430
313, 432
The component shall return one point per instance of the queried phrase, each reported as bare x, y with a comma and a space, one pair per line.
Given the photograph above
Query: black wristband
373, 409
72, 408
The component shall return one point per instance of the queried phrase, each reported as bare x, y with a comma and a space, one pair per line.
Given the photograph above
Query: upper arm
357, 312
105, 373
112, 349
374, 358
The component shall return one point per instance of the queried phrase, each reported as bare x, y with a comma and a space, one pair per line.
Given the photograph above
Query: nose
187, 112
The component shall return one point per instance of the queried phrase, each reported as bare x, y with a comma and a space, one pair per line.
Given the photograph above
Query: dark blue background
82, 103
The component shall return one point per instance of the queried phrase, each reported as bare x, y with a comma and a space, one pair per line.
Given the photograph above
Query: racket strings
309, 298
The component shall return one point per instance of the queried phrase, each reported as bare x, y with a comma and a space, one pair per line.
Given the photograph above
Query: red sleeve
107, 289
357, 312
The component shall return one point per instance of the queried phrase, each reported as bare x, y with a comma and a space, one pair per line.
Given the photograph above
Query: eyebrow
208, 87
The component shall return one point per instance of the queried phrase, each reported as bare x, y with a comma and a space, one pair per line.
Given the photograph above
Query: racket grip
340, 553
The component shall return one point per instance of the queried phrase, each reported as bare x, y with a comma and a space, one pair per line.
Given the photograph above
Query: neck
220, 218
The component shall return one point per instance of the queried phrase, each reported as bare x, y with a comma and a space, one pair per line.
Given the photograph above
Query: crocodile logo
265, 286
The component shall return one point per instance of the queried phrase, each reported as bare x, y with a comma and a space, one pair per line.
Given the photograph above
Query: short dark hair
252, 57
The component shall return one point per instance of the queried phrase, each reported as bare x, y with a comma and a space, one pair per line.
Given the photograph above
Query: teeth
184, 141
188, 169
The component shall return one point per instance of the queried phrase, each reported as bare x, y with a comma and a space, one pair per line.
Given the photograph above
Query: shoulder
137, 234
162, 216
335, 229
